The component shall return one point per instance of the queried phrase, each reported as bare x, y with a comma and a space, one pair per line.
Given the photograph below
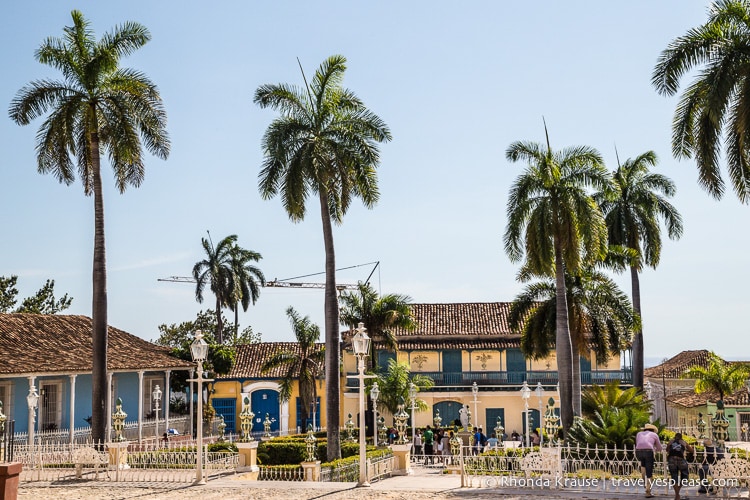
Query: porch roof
45, 343
691, 400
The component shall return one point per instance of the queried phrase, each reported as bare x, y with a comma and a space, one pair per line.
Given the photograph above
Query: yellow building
460, 344
262, 389
456, 345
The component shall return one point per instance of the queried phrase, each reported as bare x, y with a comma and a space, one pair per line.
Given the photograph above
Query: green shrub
225, 446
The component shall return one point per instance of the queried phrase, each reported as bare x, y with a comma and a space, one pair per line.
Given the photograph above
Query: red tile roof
675, 366
41, 343
250, 359
691, 400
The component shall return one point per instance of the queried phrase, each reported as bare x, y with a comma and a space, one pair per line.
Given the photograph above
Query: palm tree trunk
331, 308
219, 323
563, 345
638, 351
98, 306
236, 321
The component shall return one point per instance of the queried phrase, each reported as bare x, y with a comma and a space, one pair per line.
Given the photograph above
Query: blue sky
456, 83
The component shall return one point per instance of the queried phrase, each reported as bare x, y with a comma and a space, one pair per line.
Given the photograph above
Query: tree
613, 416
302, 364
325, 142
180, 336
230, 277
42, 302
246, 281
97, 108
600, 316
720, 376
633, 222
380, 314
394, 386
715, 108
555, 224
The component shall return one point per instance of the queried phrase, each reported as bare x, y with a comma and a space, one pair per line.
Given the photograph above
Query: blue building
53, 354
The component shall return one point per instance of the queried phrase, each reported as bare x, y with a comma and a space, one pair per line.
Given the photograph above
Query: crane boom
270, 284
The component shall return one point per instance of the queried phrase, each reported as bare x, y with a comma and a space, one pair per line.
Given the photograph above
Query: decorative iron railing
510, 378
281, 473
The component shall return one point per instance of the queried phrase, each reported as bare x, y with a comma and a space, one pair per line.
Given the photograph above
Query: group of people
436, 442
647, 443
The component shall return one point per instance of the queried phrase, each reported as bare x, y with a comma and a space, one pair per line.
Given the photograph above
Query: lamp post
413, 398
475, 393
526, 394
374, 393
199, 352
539, 391
157, 399
361, 346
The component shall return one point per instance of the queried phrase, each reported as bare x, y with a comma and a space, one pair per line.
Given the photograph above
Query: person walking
646, 443
678, 466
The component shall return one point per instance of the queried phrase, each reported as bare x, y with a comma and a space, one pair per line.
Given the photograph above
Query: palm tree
720, 376
394, 386
247, 280
324, 142
556, 226
97, 108
380, 314
220, 271
302, 364
633, 222
718, 101
600, 316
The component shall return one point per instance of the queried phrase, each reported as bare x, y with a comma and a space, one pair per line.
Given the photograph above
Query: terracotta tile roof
691, 400
40, 343
674, 367
468, 319
250, 359
459, 344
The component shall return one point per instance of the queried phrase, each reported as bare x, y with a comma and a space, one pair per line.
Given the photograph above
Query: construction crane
287, 283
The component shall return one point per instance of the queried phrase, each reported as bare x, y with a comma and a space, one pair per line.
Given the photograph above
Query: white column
32, 381
284, 424
140, 406
190, 401
72, 406
109, 407
166, 399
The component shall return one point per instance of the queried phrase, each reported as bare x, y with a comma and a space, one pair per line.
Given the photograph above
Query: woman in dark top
678, 466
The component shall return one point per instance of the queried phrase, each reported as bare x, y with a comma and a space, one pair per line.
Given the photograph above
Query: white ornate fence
597, 469
146, 462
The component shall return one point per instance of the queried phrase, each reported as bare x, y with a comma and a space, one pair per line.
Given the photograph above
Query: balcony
505, 379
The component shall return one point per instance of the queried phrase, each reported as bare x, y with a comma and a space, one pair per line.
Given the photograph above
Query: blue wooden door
448, 412
265, 401
585, 370
227, 408
491, 415
516, 366
452, 361
383, 360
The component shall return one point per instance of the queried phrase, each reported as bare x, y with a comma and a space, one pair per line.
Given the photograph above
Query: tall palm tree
717, 103
394, 386
633, 222
555, 224
246, 281
720, 376
600, 316
380, 314
302, 364
97, 108
218, 271
324, 142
